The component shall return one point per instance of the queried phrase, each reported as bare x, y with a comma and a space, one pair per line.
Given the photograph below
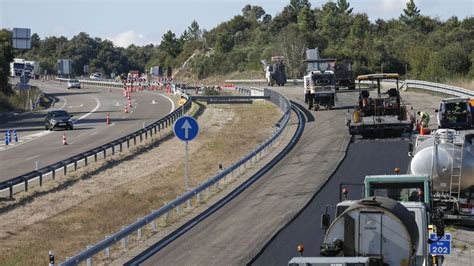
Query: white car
73, 83
96, 76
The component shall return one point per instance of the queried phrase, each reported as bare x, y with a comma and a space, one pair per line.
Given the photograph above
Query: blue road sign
442, 246
186, 128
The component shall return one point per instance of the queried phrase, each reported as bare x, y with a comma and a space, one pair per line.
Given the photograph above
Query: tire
46, 127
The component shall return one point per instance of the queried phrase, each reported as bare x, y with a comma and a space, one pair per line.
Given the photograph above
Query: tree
306, 20
35, 41
194, 31
343, 7
224, 43
410, 14
293, 49
6, 56
170, 44
253, 12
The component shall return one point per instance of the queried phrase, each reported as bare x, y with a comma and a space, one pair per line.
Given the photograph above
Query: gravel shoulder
126, 187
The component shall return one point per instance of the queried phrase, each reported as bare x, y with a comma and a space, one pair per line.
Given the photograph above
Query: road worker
425, 119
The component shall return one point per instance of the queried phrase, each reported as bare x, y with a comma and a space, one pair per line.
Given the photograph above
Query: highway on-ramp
90, 107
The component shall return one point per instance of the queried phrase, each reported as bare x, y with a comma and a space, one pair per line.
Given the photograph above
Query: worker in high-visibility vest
424, 118
182, 101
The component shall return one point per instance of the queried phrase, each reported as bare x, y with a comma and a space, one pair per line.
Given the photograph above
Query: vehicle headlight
53, 121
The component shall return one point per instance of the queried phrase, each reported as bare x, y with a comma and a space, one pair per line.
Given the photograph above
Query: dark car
58, 119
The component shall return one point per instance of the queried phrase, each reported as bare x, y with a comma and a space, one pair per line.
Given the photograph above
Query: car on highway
73, 83
96, 76
58, 119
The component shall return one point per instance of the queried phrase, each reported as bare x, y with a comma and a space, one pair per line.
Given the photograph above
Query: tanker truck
391, 225
447, 157
374, 231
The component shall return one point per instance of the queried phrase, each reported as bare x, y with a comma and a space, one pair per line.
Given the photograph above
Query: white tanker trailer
373, 231
447, 156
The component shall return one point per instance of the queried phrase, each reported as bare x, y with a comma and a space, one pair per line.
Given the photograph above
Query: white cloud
395, 5
124, 39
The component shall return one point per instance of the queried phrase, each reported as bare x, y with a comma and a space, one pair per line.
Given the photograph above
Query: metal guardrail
51, 172
441, 88
158, 246
434, 87
232, 171
91, 82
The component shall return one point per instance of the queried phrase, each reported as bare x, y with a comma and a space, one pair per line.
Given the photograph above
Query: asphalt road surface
237, 232
363, 158
90, 107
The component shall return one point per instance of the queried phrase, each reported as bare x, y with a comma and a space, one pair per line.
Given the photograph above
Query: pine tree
411, 14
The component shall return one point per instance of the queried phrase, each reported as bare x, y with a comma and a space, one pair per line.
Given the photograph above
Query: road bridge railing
196, 194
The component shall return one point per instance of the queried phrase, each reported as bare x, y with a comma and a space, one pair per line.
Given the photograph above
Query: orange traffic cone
422, 131
107, 120
126, 109
64, 139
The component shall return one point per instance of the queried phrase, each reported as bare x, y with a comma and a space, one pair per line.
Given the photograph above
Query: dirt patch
69, 219
462, 245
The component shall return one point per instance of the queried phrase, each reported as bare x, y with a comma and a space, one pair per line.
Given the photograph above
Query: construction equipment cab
379, 113
275, 73
389, 226
455, 113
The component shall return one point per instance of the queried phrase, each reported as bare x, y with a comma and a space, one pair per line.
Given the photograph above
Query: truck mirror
410, 149
325, 221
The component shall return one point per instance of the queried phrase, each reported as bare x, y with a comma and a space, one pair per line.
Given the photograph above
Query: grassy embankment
71, 230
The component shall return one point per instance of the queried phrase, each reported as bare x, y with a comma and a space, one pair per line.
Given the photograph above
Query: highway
90, 107
236, 233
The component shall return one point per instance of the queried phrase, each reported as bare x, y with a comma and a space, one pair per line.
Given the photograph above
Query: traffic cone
126, 109
110, 90
15, 136
130, 103
107, 120
422, 131
64, 139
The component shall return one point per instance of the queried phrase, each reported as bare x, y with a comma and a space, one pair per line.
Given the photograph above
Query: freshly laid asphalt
236, 233
363, 158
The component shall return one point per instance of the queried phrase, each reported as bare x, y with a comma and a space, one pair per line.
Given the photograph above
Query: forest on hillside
431, 49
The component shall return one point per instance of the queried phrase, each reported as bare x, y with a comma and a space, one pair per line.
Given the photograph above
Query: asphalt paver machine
382, 113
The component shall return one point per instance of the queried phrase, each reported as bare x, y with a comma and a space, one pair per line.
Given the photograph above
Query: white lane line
65, 102
32, 157
169, 99
92, 111
78, 106
44, 133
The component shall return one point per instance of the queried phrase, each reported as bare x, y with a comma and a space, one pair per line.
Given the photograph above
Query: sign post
186, 129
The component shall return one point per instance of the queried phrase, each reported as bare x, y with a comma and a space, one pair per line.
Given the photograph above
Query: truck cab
454, 113
389, 226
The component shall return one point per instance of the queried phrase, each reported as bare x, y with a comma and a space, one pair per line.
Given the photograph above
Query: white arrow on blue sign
186, 128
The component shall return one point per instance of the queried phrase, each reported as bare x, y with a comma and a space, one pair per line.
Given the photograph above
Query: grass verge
90, 221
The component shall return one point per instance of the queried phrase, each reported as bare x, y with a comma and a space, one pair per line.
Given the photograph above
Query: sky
142, 22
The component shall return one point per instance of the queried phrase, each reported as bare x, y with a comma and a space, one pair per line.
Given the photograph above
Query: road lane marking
78, 106
89, 113
65, 102
32, 157
38, 135
169, 99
